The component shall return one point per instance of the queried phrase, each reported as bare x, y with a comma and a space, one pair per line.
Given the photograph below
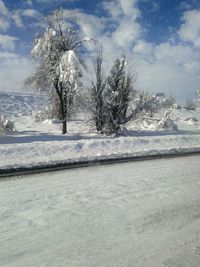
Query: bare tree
57, 52
96, 92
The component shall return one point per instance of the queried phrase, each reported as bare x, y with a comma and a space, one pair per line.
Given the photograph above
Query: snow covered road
125, 215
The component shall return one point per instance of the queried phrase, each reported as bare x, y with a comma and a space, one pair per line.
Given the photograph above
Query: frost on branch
68, 70
87, 39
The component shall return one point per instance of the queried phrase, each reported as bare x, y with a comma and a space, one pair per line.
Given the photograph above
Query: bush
167, 124
6, 125
178, 107
190, 105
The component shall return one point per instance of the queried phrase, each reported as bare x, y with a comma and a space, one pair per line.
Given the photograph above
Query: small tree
119, 92
57, 53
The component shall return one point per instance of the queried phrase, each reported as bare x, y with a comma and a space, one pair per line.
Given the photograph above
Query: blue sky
161, 39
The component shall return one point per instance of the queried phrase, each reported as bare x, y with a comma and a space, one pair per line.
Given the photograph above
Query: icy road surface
131, 214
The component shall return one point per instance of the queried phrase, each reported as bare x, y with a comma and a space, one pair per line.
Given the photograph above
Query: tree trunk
64, 119
64, 127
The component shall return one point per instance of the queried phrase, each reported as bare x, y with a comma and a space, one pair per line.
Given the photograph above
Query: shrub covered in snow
43, 115
191, 120
178, 107
190, 105
2, 127
6, 125
167, 124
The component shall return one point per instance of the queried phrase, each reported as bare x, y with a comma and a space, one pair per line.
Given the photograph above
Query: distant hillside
17, 104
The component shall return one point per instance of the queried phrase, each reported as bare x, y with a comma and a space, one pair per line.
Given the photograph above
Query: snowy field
39, 143
135, 214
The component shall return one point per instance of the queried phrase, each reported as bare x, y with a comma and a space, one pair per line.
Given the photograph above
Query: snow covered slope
37, 143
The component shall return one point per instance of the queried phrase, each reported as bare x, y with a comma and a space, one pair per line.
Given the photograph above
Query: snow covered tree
119, 93
169, 102
198, 92
96, 92
146, 104
57, 52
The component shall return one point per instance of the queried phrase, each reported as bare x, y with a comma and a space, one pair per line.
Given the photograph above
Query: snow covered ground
36, 143
135, 214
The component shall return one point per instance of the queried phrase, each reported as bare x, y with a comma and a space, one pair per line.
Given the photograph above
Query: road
125, 215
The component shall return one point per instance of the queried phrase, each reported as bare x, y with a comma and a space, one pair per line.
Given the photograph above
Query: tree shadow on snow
31, 137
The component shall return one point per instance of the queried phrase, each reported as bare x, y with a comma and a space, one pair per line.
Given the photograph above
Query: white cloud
3, 8
173, 69
54, 1
90, 25
17, 16
29, 3
172, 66
143, 48
129, 8
4, 21
30, 13
176, 53
190, 29
119, 8
168, 78
120, 28
124, 14
4, 24
13, 70
7, 42
8, 55
127, 33
112, 8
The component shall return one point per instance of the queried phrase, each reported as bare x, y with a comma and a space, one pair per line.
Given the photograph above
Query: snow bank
64, 150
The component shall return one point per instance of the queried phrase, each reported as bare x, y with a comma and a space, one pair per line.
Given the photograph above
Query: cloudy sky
161, 38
